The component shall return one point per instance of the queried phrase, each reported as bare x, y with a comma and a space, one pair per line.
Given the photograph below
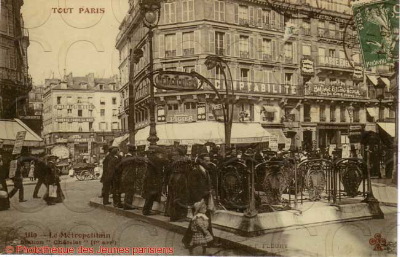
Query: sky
80, 40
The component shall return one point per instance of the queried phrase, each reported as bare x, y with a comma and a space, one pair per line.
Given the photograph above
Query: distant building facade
15, 82
80, 114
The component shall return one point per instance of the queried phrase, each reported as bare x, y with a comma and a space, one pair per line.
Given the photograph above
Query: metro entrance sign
176, 80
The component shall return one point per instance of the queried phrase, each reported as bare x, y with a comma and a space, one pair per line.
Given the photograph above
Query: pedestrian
40, 172
153, 179
31, 170
129, 166
4, 200
106, 182
178, 195
16, 177
113, 178
198, 234
54, 193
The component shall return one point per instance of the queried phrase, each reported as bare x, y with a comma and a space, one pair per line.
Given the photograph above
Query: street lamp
380, 96
214, 61
150, 10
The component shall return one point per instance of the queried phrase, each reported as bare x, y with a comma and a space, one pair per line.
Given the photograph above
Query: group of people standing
43, 169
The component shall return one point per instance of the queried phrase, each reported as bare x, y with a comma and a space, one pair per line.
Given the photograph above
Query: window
90, 125
114, 100
188, 43
80, 127
4, 20
243, 15
79, 100
170, 45
115, 126
306, 50
244, 46
322, 116
90, 113
244, 75
173, 107
102, 112
332, 113
101, 87
69, 99
332, 53
69, 128
332, 81
169, 13
218, 73
288, 50
219, 10
266, 17
190, 106
307, 113
219, 43
114, 112
306, 27
288, 78
269, 116
69, 111
356, 114
102, 101
103, 126
188, 68
187, 10
58, 99
79, 113
266, 49
342, 114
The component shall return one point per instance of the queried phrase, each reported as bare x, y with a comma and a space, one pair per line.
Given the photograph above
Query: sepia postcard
199, 127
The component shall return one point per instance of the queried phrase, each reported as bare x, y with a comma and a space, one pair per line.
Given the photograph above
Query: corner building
304, 81
80, 114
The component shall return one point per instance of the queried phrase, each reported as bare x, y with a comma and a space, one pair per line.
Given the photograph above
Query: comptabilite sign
377, 23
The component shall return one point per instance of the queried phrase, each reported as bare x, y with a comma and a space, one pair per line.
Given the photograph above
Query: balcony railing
288, 59
170, 53
330, 33
307, 119
327, 61
244, 54
219, 51
244, 22
333, 119
306, 31
322, 118
188, 52
267, 57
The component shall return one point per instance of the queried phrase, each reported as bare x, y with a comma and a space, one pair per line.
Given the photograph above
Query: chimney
90, 78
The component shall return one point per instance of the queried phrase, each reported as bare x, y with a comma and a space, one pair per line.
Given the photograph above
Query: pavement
385, 191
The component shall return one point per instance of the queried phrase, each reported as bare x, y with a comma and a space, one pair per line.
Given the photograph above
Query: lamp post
380, 96
214, 61
150, 10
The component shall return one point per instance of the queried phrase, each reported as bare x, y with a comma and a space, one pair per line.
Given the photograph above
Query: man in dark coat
106, 184
199, 181
40, 173
17, 179
178, 194
4, 203
153, 180
128, 168
113, 177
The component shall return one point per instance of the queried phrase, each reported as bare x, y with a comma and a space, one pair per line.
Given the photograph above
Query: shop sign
273, 143
61, 140
83, 140
74, 119
307, 67
358, 72
355, 133
331, 18
60, 151
19, 142
258, 88
377, 23
181, 118
32, 117
201, 111
175, 80
74, 106
321, 89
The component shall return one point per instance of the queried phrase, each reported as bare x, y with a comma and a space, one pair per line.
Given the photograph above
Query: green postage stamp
378, 29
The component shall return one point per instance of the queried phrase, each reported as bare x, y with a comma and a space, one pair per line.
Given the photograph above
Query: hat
197, 206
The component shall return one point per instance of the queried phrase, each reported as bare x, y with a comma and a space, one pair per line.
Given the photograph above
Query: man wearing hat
153, 180
109, 165
128, 170
17, 178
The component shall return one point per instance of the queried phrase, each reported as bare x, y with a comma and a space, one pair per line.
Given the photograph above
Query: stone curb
180, 227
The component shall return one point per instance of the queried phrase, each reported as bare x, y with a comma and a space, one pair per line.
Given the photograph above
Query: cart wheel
86, 175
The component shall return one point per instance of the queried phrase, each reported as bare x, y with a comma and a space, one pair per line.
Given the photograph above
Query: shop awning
117, 141
386, 81
278, 133
203, 132
268, 108
10, 128
372, 111
373, 79
388, 127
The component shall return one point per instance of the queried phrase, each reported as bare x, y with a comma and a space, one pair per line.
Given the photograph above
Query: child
31, 170
197, 233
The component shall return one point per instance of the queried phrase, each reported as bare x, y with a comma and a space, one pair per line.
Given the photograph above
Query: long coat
111, 173
105, 167
199, 183
153, 180
130, 167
